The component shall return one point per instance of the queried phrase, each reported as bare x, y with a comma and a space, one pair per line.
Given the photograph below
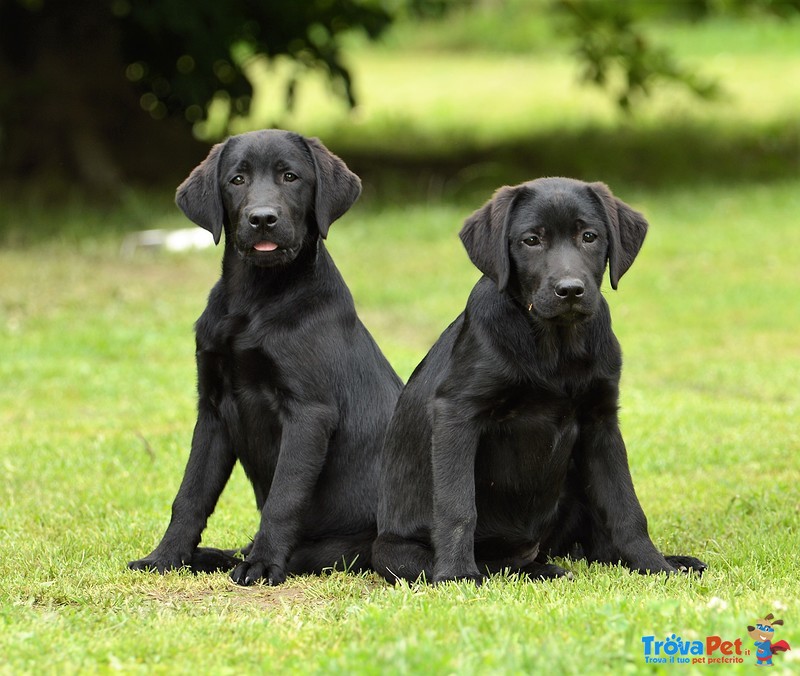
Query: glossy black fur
505, 448
290, 382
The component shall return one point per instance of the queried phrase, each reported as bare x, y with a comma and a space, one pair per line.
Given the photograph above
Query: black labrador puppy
290, 382
504, 447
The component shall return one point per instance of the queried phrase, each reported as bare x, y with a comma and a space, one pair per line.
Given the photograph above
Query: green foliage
617, 55
619, 45
76, 76
186, 53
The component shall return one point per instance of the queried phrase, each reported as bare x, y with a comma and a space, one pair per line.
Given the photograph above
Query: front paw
687, 564
158, 562
250, 572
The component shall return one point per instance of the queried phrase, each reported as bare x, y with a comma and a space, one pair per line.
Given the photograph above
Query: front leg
211, 461
619, 528
454, 445
304, 443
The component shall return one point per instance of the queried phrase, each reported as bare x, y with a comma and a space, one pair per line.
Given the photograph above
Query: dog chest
530, 447
520, 469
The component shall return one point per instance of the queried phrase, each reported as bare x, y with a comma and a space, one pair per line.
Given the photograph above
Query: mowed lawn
97, 407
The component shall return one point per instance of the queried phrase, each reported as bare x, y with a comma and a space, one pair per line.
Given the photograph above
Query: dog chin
267, 259
569, 317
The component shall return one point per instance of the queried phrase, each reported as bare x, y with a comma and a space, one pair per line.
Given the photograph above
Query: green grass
97, 399
98, 405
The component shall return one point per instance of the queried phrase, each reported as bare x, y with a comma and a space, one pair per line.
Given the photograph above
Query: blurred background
688, 109
424, 98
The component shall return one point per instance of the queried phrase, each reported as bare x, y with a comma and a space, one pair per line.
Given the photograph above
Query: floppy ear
626, 228
199, 195
485, 235
337, 187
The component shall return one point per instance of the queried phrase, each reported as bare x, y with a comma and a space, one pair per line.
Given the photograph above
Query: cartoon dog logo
762, 635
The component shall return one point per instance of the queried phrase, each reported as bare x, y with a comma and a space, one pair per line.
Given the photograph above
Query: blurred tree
617, 56
75, 75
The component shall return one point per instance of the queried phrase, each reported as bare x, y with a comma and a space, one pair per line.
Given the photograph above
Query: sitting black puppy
504, 447
290, 382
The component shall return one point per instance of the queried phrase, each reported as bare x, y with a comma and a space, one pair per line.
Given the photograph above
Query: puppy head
548, 242
271, 191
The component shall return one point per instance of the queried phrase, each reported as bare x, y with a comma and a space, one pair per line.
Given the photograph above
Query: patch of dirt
259, 597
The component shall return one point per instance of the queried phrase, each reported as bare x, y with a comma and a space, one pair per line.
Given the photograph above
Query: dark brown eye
589, 237
533, 240
238, 179
289, 176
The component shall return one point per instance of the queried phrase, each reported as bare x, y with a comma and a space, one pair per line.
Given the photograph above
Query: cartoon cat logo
762, 635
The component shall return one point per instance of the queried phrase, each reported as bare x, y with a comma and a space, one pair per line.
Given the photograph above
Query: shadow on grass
401, 165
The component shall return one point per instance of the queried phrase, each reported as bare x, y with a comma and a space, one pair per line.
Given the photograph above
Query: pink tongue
265, 246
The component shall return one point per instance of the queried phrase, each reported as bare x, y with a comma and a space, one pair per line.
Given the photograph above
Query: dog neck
250, 283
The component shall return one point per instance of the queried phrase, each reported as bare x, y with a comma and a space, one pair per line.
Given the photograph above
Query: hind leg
527, 561
213, 560
398, 558
544, 571
351, 553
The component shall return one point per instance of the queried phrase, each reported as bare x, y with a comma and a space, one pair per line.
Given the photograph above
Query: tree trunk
72, 114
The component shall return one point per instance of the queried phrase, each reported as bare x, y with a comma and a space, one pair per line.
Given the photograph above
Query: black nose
569, 288
263, 217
